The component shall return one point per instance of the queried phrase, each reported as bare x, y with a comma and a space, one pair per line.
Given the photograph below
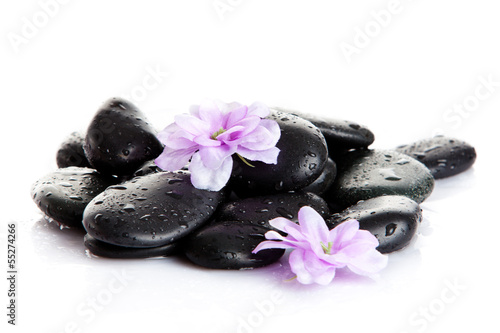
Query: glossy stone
149, 211
119, 139
146, 169
103, 249
259, 210
63, 194
71, 152
392, 219
229, 245
365, 174
325, 180
340, 135
443, 156
303, 155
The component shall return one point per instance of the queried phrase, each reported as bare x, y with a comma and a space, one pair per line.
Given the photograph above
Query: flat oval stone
366, 174
71, 152
340, 135
392, 219
229, 245
325, 179
103, 249
259, 210
119, 139
149, 211
63, 194
443, 156
303, 155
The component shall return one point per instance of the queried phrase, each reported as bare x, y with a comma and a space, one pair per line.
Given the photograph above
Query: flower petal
260, 139
209, 179
209, 112
369, 263
313, 226
192, 125
258, 109
321, 271
213, 157
297, 265
165, 134
236, 115
271, 245
343, 233
206, 141
269, 156
174, 159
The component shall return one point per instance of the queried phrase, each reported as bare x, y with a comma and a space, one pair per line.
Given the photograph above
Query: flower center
327, 249
216, 134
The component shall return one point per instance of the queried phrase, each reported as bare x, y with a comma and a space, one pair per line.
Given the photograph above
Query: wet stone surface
392, 219
119, 139
325, 179
340, 135
149, 211
71, 152
229, 245
107, 250
443, 156
303, 155
259, 210
366, 174
63, 194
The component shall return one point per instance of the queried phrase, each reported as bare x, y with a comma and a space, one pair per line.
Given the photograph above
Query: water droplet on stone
389, 174
390, 229
129, 208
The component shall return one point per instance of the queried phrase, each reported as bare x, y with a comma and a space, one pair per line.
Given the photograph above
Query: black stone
365, 174
229, 245
340, 135
146, 169
149, 211
71, 152
303, 155
63, 194
103, 249
119, 139
259, 210
443, 156
325, 180
392, 219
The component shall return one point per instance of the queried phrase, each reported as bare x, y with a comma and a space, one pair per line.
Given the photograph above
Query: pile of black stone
108, 184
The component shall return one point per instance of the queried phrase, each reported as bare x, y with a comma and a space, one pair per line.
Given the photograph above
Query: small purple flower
318, 252
211, 134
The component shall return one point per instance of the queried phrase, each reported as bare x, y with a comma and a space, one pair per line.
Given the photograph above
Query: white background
59, 62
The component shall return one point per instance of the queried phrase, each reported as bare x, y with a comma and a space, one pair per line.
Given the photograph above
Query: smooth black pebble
340, 135
146, 169
393, 220
325, 179
303, 155
259, 210
149, 211
365, 174
107, 250
229, 245
119, 139
63, 194
443, 156
71, 152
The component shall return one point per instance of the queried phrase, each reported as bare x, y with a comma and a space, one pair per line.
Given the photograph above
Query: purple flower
318, 252
211, 133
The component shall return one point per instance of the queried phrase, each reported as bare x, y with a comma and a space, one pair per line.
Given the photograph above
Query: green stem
245, 161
